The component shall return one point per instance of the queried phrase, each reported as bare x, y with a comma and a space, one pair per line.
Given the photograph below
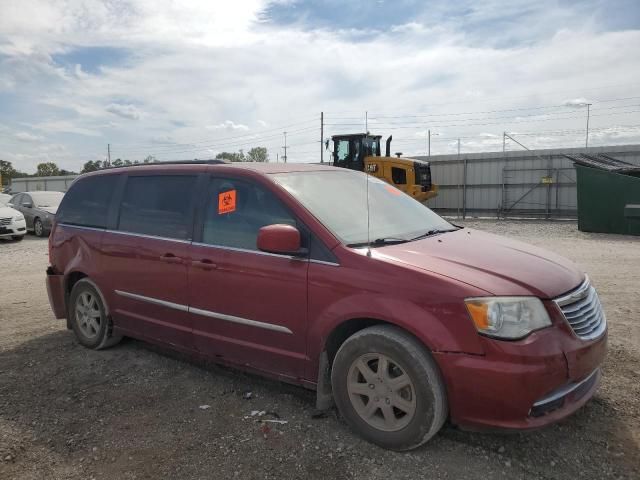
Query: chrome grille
582, 309
5, 221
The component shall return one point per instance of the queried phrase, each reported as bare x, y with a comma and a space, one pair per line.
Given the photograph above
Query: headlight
507, 317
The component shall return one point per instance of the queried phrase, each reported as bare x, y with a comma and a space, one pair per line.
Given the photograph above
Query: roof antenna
366, 177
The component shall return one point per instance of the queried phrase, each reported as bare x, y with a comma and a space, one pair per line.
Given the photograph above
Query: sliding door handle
170, 258
204, 264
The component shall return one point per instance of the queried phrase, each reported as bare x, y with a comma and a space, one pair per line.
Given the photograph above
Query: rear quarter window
87, 201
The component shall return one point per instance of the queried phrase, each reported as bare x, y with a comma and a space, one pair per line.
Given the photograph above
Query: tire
87, 314
403, 416
38, 228
17, 238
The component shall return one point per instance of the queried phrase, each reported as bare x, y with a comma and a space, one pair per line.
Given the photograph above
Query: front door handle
205, 264
170, 258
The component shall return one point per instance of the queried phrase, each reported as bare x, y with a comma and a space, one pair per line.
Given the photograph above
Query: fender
440, 326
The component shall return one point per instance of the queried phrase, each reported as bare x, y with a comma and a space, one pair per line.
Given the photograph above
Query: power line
180, 148
205, 140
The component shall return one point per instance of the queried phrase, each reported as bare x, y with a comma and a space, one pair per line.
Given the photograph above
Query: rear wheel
89, 320
38, 227
388, 388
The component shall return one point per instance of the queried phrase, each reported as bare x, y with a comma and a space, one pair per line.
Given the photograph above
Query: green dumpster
608, 201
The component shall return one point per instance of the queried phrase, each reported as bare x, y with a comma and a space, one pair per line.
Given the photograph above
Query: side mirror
279, 238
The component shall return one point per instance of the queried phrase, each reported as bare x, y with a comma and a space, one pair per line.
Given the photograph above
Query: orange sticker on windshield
393, 190
227, 202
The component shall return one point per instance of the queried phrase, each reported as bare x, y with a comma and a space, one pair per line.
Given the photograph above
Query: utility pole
586, 142
321, 137
429, 143
285, 148
108, 154
504, 143
366, 122
277, 157
458, 149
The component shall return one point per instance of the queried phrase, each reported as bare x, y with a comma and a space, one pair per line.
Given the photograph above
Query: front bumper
523, 384
15, 229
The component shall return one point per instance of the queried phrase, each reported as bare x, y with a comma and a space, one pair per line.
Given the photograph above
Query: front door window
236, 210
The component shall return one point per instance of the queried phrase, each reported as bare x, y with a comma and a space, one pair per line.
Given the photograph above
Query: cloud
228, 125
125, 111
27, 137
577, 102
462, 69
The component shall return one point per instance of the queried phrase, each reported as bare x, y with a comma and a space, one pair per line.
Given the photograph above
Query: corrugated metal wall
30, 184
539, 183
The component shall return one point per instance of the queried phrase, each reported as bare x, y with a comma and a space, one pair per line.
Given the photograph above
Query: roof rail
176, 162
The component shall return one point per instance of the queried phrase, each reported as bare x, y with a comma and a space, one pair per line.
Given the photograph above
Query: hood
51, 210
489, 262
8, 212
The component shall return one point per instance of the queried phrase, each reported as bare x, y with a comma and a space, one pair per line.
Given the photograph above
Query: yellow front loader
361, 151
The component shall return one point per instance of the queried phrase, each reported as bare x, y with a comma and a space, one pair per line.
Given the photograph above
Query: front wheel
388, 388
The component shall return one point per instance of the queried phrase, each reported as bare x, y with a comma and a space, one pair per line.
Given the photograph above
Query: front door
247, 306
145, 258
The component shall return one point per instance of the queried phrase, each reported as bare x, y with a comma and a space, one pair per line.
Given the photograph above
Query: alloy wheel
88, 316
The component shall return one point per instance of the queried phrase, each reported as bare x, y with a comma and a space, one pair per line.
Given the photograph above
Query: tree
47, 169
150, 159
7, 171
258, 154
91, 166
232, 156
67, 172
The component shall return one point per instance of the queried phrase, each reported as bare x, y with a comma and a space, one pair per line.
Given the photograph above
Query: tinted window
399, 175
26, 199
158, 205
236, 210
87, 201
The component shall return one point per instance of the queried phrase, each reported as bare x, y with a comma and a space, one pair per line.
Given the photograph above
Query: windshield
338, 200
47, 199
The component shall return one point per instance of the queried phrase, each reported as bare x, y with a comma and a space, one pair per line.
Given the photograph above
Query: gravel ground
135, 411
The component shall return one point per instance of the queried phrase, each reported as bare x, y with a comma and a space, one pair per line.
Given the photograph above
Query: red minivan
333, 280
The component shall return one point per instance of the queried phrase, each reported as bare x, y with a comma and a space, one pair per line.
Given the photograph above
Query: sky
184, 79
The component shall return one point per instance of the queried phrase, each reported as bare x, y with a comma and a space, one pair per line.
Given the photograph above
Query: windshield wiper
378, 242
432, 232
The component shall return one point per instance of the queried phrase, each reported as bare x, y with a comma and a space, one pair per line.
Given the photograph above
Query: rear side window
87, 201
158, 205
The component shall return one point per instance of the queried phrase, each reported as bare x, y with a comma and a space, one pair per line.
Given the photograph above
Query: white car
12, 223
